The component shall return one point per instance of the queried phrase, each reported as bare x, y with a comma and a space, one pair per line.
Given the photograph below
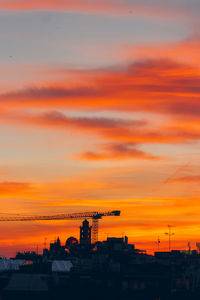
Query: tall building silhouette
85, 233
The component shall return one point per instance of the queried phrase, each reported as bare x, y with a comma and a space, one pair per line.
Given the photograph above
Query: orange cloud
152, 86
125, 131
13, 187
159, 87
116, 152
185, 179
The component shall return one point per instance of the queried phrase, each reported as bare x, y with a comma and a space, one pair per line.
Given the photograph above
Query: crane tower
95, 216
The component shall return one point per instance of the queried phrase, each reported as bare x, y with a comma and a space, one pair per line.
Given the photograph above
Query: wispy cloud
185, 179
179, 51
153, 86
126, 132
115, 7
116, 152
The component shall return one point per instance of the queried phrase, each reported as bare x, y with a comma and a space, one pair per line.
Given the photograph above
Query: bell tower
85, 233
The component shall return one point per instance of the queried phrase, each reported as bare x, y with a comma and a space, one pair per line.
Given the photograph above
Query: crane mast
94, 215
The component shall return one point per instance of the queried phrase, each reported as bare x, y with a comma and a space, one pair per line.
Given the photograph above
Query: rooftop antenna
169, 233
158, 242
189, 247
45, 242
107, 234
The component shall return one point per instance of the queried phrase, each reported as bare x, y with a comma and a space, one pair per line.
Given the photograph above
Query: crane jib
89, 215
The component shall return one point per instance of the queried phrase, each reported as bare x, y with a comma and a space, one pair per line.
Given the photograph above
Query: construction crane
94, 215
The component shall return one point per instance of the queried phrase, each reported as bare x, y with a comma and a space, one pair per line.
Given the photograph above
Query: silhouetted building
71, 242
56, 249
111, 269
85, 233
119, 244
27, 255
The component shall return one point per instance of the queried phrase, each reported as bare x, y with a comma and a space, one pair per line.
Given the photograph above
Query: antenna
107, 234
189, 246
170, 233
45, 242
158, 242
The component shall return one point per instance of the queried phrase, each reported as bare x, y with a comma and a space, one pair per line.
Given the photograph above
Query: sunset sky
99, 110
